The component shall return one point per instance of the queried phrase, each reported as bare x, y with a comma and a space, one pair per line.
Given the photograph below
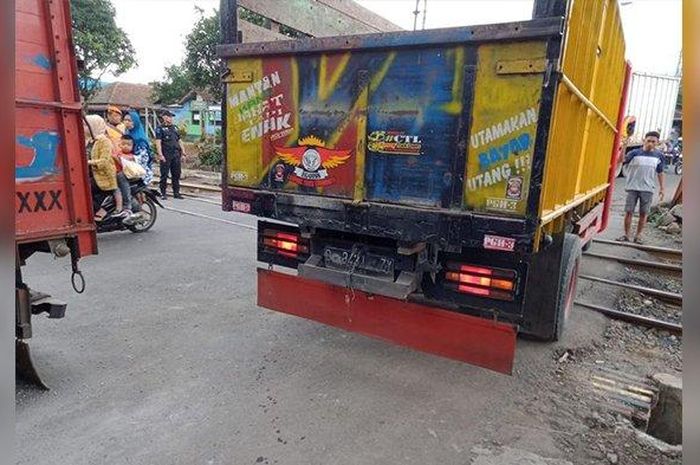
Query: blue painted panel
412, 129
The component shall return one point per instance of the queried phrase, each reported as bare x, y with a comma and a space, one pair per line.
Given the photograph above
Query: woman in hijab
142, 147
103, 170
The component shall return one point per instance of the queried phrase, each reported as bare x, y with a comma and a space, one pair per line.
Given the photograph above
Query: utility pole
425, 11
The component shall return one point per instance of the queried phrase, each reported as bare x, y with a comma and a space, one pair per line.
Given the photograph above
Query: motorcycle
674, 156
678, 164
143, 204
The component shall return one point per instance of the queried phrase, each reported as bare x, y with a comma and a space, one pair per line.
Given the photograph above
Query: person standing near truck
645, 168
171, 151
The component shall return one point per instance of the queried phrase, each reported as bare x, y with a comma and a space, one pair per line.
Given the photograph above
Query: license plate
358, 261
243, 207
499, 243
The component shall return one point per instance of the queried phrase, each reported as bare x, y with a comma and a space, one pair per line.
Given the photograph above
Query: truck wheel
571, 257
551, 287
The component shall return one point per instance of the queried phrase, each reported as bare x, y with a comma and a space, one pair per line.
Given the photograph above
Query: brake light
495, 283
284, 243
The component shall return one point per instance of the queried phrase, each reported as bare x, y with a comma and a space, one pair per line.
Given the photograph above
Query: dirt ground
589, 429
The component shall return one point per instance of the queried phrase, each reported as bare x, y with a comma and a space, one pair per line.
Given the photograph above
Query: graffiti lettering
259, 108
488, 178
32, 202
501, 153
23, 202
275, 123
504, 128
255, 89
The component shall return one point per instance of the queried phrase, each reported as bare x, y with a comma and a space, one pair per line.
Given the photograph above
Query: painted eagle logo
312, 160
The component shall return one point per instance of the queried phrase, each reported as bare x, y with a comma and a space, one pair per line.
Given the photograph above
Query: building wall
185, 116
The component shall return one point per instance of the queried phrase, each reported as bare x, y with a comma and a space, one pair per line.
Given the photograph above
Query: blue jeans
124, 186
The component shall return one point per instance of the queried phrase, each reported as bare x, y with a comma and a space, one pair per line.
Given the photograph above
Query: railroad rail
674, 267
634, 318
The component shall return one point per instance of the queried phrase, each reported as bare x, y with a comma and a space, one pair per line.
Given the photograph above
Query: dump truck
53, 204
429, 188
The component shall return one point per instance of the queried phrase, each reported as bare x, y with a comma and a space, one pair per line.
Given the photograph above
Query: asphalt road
166, 359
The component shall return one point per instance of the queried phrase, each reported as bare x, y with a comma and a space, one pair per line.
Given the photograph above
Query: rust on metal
521, 66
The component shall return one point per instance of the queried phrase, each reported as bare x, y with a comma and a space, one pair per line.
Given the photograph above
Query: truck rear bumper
485, 343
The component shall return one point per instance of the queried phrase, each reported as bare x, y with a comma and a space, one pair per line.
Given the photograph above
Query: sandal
623, 239
99, 218
638, 240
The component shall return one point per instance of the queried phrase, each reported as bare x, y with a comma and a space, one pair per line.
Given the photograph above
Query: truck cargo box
53, 204
449, 171
501, 127
51, 179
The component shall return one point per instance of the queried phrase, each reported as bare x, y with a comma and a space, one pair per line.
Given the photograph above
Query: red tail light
284, 243
495, 283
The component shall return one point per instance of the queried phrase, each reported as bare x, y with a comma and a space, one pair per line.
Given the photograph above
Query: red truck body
53, 202
52, 190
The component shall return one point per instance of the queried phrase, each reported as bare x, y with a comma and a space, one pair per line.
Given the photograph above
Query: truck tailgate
449, 126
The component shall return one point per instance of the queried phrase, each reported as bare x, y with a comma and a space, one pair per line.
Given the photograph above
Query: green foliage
211, 153
100, 44
176, 85
182, 130
201, 62
253, 17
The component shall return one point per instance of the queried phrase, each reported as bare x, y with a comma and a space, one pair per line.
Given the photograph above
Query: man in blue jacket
645, 166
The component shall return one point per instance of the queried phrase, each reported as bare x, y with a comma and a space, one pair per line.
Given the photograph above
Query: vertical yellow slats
580, 142
599, 52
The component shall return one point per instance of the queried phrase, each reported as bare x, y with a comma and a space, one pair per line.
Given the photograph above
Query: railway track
672, 265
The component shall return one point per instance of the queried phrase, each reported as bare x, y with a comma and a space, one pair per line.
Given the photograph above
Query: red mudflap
477, 341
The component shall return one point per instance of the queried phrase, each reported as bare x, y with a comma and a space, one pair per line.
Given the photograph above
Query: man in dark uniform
171, 151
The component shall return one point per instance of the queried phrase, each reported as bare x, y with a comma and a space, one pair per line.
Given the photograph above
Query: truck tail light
479, 280
283, 243
279, 244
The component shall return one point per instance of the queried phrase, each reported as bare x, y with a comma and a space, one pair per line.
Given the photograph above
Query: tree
201, 62
177, 84
100, 44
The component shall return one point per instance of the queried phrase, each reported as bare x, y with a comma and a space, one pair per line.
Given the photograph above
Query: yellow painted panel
503, 127
243, 157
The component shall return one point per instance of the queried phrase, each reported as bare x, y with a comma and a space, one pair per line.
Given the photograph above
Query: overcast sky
157, 28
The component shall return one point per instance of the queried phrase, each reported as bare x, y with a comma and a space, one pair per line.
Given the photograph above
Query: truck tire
571, 257
548, 301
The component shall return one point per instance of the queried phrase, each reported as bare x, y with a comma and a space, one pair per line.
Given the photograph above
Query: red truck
53, 206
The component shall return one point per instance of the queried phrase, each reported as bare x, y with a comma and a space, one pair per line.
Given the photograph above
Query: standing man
170, 152
115, 126
646, 166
